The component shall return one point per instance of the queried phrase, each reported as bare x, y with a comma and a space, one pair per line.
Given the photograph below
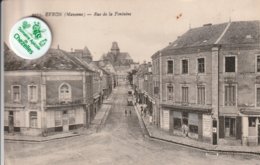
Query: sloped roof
230, 33
54, 59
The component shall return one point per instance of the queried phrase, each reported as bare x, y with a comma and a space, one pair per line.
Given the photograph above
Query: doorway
230, 127
65, 121
11, 121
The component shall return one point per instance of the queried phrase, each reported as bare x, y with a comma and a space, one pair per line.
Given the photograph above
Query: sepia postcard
130, 82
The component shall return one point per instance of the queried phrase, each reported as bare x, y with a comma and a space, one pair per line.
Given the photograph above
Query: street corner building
209, 80
58, 92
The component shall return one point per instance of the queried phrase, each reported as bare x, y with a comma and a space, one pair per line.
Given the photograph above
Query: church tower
115, 49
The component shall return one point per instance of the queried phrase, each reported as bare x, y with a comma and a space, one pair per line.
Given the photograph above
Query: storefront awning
187, 108
250, 111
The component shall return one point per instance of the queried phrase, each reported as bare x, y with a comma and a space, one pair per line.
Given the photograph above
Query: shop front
250, 127
195, 123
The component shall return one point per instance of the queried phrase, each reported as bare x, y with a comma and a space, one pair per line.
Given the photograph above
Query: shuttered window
201, 95
185, 94
230, 95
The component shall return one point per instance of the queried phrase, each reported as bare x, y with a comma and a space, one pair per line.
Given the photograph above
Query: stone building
51, 94
209, 81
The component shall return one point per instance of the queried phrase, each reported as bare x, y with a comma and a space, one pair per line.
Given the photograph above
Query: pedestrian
145, 110
142, 110
185, 130
130, 112
125, 112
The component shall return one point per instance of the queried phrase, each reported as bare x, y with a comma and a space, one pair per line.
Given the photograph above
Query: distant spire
115, 49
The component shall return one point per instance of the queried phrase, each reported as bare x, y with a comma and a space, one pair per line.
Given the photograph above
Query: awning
187, 108
246, 111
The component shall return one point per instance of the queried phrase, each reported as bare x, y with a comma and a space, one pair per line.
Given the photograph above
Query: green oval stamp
30, 38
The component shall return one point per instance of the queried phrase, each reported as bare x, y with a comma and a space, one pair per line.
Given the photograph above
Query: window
185, 66
252, 121
16, 91
201, 95
201, 65
72, 117
185, 118
169, 92
258, 64
257, 97
193, 122
33, 119
177, 117
170, 67
230, 95
230, 64
185, 94
32, 93
58, 118
65, 93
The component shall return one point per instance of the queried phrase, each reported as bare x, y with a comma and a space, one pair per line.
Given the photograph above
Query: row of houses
58, 92
209, 80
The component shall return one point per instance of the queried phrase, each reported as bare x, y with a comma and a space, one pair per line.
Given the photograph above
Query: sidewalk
158, 134
96, 124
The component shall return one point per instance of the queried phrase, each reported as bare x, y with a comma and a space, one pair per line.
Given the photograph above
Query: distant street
119, 142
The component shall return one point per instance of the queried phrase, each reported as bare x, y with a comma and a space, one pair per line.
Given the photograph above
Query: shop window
230, 64
169, 67
185, 66
177, 123
252, 121
72, 117
33, 119
16, 93
201, 65
32, 93
230, 95
58, 118
185, 118
193, 129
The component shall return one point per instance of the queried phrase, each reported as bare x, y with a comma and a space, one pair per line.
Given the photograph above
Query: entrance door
11, 121
65, 121
230, 127
258, 133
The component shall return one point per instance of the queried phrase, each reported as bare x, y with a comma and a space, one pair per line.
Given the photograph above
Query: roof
227, 34
54, 59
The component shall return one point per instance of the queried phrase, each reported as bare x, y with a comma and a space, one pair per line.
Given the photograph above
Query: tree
130, 76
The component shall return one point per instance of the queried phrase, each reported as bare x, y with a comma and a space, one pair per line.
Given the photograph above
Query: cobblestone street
120, 141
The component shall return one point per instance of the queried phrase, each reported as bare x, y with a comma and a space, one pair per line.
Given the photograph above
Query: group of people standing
128, 112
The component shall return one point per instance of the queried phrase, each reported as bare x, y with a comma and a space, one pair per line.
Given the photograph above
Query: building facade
208, 82
47, 95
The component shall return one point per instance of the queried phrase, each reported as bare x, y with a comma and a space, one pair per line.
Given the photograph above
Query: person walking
125, 112
130, 112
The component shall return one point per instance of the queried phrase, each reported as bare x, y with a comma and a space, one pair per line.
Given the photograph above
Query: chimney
58, 47
71, 49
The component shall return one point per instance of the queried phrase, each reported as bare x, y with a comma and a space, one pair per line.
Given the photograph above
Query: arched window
65, 92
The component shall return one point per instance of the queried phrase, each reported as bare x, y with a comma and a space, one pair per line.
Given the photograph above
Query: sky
153, 24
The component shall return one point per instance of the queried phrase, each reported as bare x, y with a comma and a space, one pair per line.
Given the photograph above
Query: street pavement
119, 142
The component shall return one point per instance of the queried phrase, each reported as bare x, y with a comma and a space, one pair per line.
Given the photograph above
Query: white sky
151, 26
